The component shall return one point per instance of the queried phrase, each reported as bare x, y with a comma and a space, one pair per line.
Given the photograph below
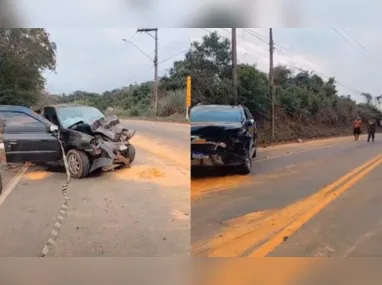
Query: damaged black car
90, 140
223, 135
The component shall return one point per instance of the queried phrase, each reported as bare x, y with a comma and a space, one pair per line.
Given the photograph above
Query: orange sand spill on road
151, 174
245, 232
205, 186
178, 155
249, 271
37, 175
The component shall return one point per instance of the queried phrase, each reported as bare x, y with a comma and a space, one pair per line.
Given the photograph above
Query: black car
223, 135
90, 140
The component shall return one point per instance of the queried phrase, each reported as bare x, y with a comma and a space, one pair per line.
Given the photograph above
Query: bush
174, 102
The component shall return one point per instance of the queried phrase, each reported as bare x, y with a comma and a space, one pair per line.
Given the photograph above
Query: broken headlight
94, 142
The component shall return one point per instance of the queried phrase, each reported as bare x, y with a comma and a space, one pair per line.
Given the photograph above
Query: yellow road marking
278, 239
245, 232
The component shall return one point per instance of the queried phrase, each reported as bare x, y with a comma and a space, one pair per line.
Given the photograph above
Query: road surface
138, 211
316, 199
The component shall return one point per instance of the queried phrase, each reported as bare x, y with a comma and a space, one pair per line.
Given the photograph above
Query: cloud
96, 59
320, 50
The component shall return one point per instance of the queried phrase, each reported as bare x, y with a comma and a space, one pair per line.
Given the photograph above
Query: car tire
246, 167
79, 164
131, 153
254, 153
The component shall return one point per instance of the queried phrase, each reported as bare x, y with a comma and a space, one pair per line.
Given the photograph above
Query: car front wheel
246, 167
78, 163
131, 153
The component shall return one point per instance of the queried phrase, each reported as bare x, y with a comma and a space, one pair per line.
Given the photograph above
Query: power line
138, 48
354, 39
347, 40
281, 49
170, 57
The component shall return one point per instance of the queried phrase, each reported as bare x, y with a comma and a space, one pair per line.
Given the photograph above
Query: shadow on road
212, 172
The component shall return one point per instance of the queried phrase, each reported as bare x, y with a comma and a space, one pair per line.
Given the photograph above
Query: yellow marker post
188, 96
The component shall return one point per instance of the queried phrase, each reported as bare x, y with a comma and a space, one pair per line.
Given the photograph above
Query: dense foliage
306, 104
24, 55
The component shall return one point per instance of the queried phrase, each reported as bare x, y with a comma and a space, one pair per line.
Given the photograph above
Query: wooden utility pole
234, 65
155, 64
131, 91
271, 79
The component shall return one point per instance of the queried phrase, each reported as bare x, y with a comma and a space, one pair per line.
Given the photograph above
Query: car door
26, 137
50, 114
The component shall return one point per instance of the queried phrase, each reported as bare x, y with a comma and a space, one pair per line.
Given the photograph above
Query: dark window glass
227, 114
19, 119
16, 121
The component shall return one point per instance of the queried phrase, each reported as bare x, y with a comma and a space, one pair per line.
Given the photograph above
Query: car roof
217, 107
57, 106
15, 108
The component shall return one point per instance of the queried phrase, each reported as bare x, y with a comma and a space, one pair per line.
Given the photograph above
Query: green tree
25, 54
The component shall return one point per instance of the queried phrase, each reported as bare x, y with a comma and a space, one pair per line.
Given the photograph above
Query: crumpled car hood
111, 128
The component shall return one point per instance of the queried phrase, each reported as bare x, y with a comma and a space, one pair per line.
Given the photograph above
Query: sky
353, 62
91, 55
97, 59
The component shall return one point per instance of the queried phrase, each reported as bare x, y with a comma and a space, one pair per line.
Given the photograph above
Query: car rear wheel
246, 167
78, 163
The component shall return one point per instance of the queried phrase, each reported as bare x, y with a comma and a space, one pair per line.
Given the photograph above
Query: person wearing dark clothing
371, 129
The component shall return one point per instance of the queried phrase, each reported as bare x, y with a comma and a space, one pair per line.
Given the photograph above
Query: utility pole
271, 78
155, 63
234, 65
131, 91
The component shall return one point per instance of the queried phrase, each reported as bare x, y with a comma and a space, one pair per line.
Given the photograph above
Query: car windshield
71, 115
226, 115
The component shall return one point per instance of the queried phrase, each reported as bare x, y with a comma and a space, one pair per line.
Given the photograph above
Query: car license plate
196, 155
122, 147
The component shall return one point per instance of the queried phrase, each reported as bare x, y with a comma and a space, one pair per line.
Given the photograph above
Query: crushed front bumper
217, 154
107, 154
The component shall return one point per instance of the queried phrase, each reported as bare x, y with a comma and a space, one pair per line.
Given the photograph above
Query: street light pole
155, 65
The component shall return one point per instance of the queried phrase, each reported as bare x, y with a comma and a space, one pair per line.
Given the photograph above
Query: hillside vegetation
306, 105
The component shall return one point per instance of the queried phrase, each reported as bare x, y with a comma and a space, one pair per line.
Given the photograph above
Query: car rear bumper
218, 153
217, 159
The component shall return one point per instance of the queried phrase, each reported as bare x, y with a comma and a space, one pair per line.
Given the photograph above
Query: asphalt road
139, 211
296, 203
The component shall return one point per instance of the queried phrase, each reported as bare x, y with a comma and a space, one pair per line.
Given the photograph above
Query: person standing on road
371, 129
357, 128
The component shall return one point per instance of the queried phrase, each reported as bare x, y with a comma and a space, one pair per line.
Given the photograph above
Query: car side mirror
53, 129
250, 122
